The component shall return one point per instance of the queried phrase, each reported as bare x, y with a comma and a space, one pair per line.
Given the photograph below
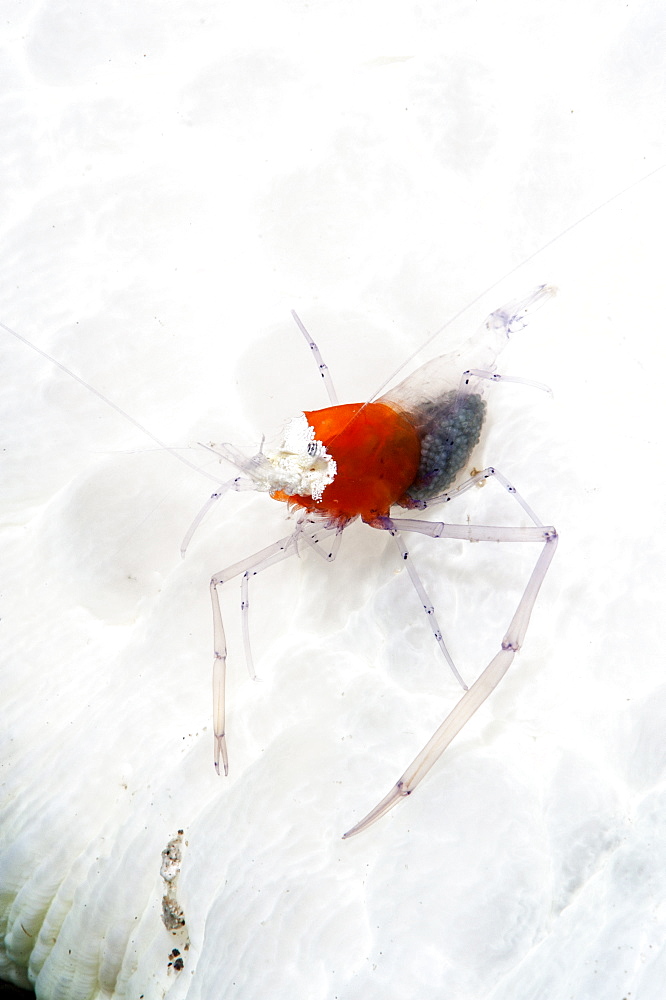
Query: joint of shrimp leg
400, 790
221, 752
427, 606
511, 645
384, 524
491, 471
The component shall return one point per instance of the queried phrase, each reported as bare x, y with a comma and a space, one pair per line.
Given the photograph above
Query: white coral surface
175, 178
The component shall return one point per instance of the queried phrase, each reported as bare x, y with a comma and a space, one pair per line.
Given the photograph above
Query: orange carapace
377, 452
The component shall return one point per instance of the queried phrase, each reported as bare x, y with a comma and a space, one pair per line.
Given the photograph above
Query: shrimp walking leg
427, 606
475, 480
247, 568
310, 537
511, 643
237, 485
314, 538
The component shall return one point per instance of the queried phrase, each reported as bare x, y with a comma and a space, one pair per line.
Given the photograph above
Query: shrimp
408, 448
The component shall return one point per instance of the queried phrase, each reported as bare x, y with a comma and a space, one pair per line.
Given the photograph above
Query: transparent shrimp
420, 437
409, 448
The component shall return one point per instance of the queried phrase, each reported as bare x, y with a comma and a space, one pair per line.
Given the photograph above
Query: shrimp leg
282, 549
498, 666
417, 583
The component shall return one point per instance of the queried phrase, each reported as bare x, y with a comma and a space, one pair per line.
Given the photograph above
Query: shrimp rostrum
408, 448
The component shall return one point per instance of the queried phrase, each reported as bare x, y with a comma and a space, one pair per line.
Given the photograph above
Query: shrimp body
377, 452
408, 448
449, 429
386, 457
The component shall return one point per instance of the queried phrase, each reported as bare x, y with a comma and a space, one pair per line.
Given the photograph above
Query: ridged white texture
301, 465
175, 178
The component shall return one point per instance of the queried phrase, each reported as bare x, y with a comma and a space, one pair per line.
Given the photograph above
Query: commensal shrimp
408, 448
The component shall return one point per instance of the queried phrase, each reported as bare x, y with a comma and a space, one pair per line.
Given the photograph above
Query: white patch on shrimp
301, 466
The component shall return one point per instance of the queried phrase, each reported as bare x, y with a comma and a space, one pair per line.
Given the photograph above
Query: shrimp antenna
109, 402
517, 267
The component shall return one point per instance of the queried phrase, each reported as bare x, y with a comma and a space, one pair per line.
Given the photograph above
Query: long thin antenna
109, 402
517, 267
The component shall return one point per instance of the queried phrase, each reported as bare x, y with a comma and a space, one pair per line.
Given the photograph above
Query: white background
175, 178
